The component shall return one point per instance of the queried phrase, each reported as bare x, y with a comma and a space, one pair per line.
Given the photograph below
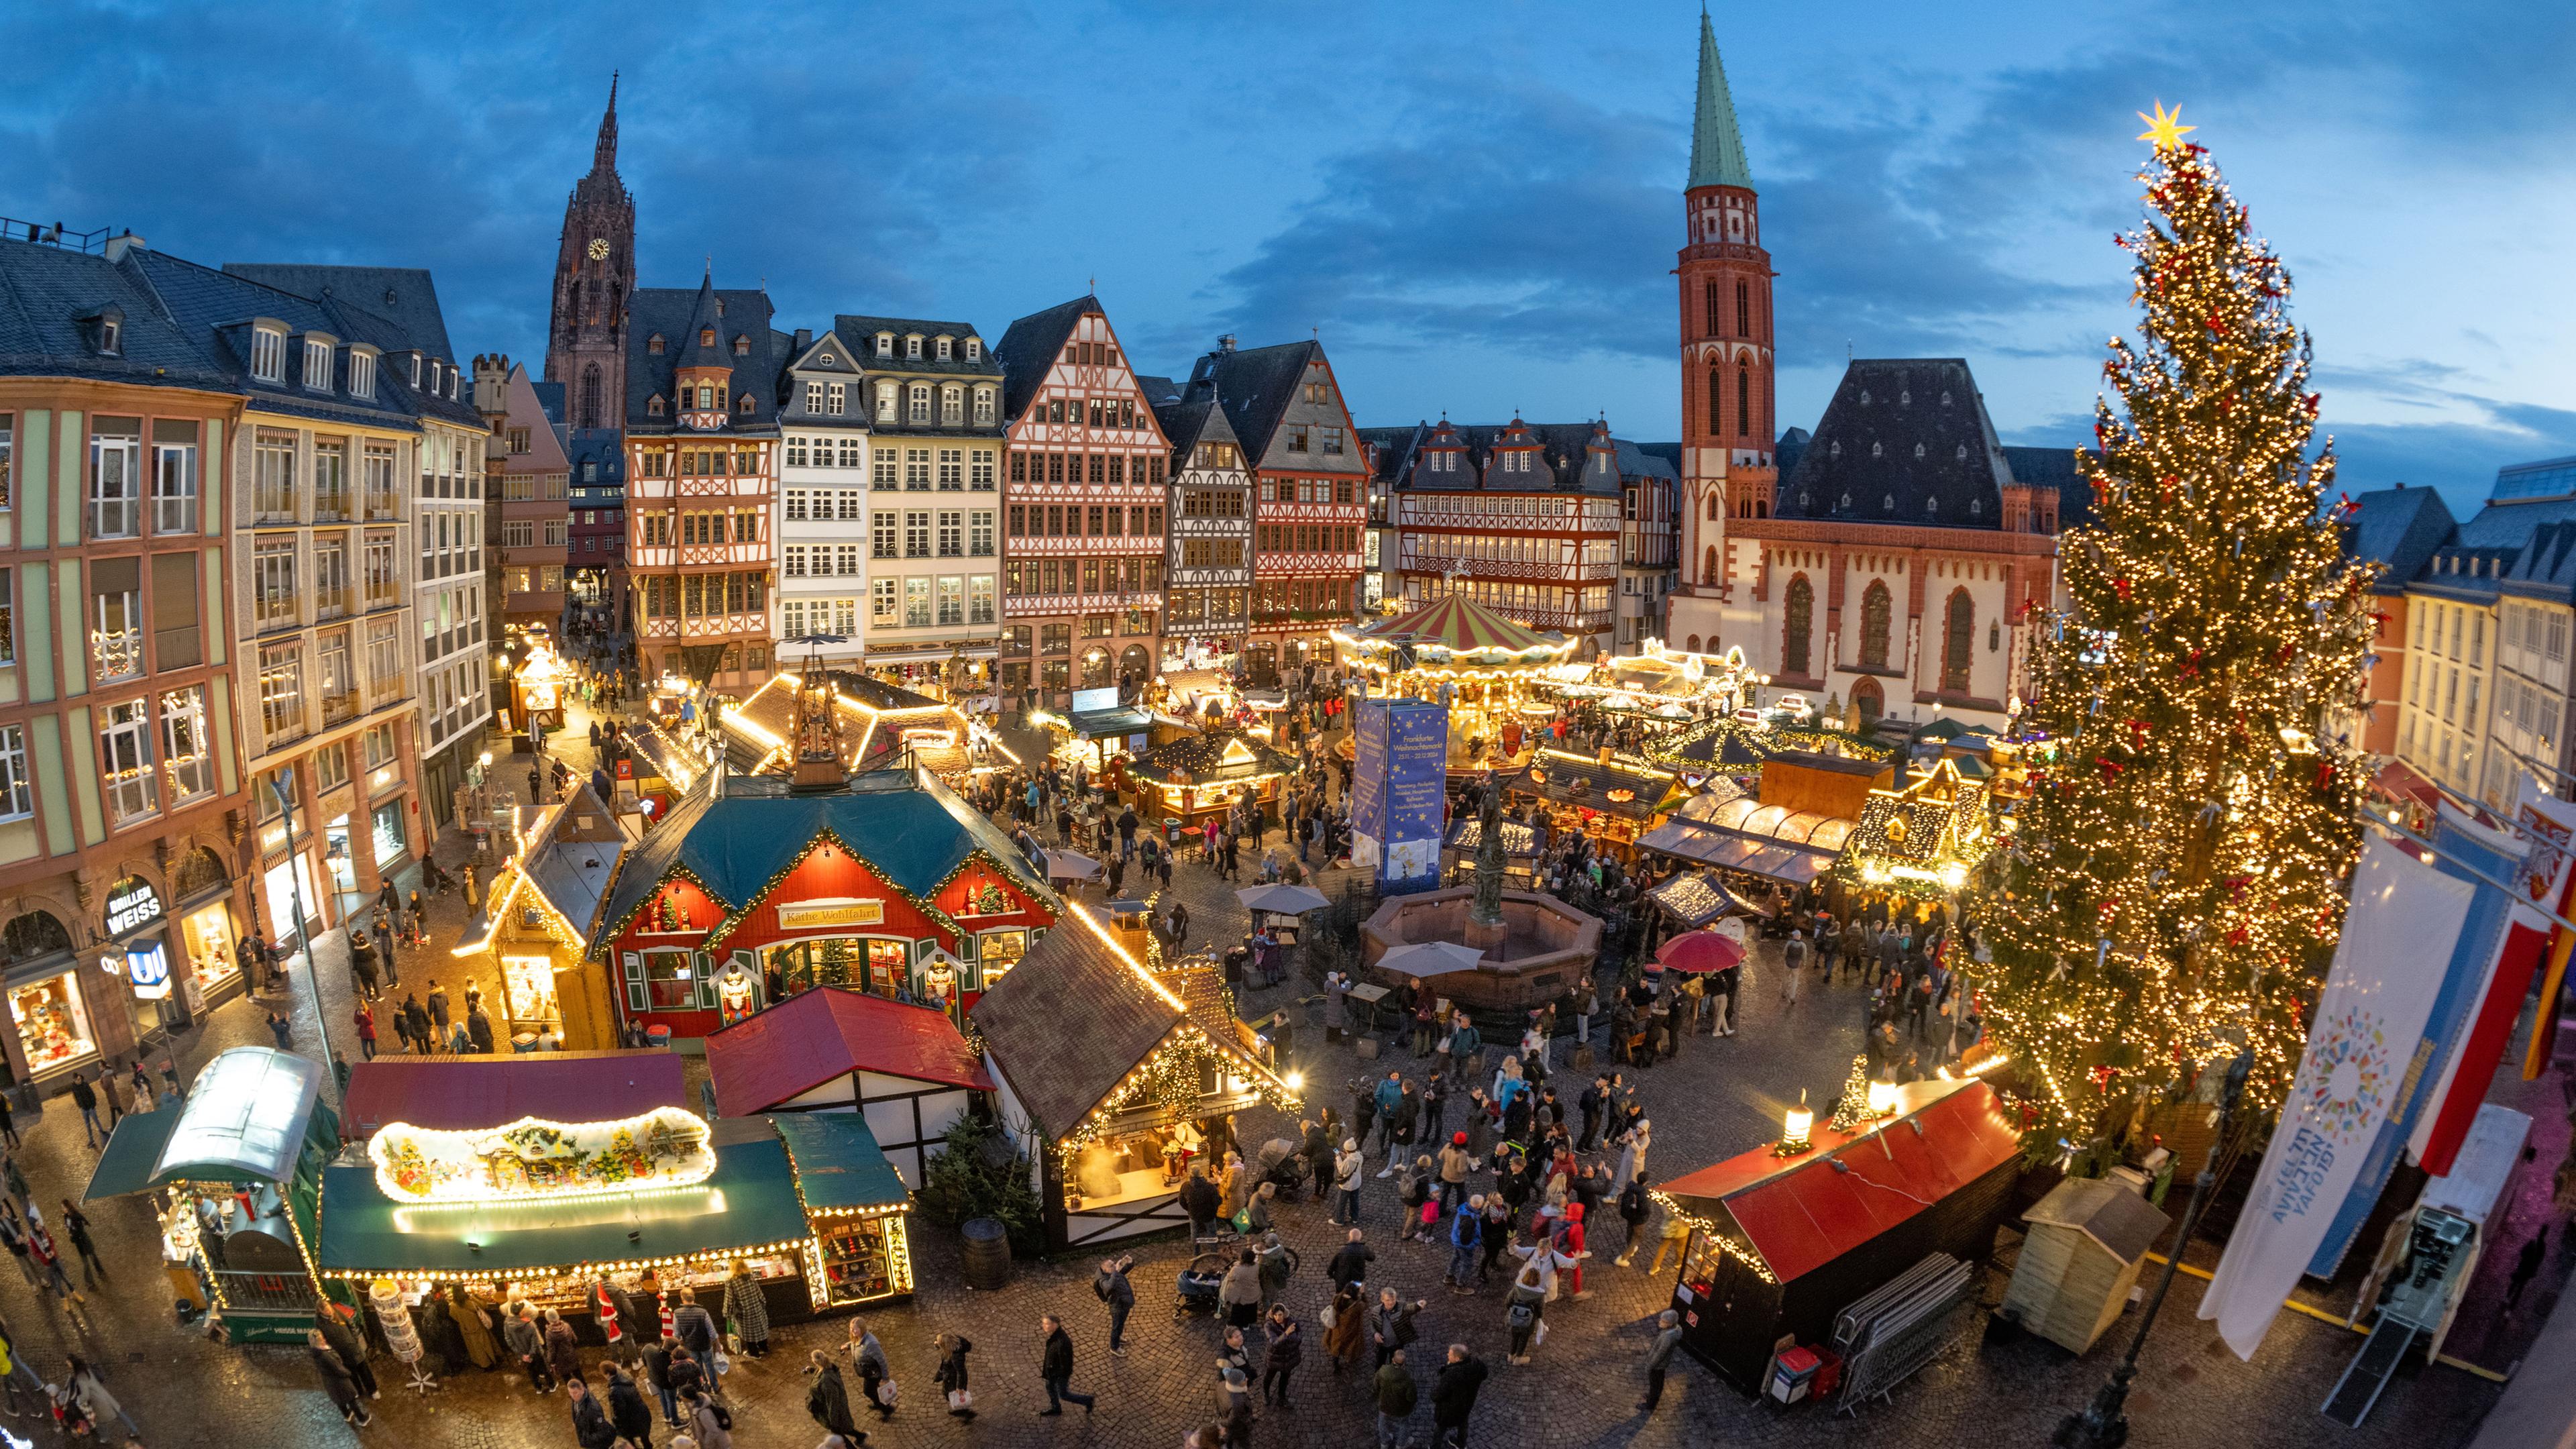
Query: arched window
1708, 565
590, 396
1876, 608
34, 935
1958, 642
1693, 644
1797, 625
1744, 402
1870, 701
1743, 309
1716, 400
1712, 508
1708, 303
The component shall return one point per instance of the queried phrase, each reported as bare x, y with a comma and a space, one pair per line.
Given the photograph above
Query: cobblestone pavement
1718, 1098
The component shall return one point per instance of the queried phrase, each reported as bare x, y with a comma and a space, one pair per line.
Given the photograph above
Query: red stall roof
814, 1036
457, 1093
1803, 1212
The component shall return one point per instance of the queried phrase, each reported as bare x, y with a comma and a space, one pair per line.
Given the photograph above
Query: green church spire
1717, 147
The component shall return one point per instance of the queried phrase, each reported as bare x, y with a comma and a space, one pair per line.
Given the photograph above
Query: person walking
76, 1228
1391, 1324
1793, 965
591, 1428
1466, 1236
1347, 1168
953, 1348
1659, 1357
1350, 1262
1342, 1324
49, 1258
657, 1375
1397, 1396
97, 1402
869, 1357
1635, 1206
1632, 1151
1453, 1397
1234, 1402
85, 1097
1284, 1347
1112, 1288
366, 1032
627, 1409
710, 1424
336, 1383
1055, 1365
828, 1400
563, 1351
339, 1329
527, 1343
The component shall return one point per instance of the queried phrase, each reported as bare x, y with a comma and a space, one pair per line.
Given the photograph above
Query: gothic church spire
603, 155
1717, 146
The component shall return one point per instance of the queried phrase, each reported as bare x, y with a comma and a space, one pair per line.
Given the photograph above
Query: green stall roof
133, 1151
838, 1162
750, 1202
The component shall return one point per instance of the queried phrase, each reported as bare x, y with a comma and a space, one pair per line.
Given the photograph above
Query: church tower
594, 278
1728, 426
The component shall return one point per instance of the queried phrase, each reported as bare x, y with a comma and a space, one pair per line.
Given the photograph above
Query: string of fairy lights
2173, 888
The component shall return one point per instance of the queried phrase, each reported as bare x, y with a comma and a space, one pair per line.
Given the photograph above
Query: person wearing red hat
1569, 1243
1455, 1163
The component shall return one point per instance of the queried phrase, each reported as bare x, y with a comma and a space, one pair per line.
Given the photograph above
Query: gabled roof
464, 1093
859, 333
2547, 569
1070, 1021
523, 397
403, 295
1800, 1213
2397, 528
1031, 346
1905, 441
678, 316
777, 1055
1255, 385
1188, 424
1160, 391
1563, 466
1646, 460
904, 825
1717, 144
46, 291
2055, 468
2125, 1224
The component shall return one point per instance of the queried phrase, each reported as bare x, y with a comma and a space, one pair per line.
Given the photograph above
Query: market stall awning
749, 1204
1626, 790
1096, 724
2399, 781
839, 1167
1799, 1213
1467, 834
1695, 900
461, 1093
244, 1120
132, 1154
1218, 757
815, 1036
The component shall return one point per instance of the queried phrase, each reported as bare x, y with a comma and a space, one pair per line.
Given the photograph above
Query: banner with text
2367, 1026
1399, 782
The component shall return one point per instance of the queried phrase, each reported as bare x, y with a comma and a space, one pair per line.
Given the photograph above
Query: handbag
886, 1393
961, 1399
1539, 1335
720, 1363
1328, 1315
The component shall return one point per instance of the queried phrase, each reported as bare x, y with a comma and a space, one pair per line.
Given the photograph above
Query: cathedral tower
594, 277
1728, 426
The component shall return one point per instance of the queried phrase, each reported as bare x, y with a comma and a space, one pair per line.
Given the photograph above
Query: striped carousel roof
1461, 626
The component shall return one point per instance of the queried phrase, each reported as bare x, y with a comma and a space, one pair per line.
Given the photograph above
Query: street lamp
2104, 1424
304, 937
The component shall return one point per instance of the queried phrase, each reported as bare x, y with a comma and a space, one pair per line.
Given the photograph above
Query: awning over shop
244, 1120
1467, 833
839, 1167
813, 1037
1728, 850
1695, 900
1627, 790
2399, 781
749, 1204
1096, 724
132, 1153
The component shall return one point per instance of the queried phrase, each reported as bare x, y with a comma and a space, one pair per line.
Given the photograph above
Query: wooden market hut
1615, 800
1928, 833
906, 1068
1108, 1071
2087, 1240
537, 920
1191, 777
1780, 1244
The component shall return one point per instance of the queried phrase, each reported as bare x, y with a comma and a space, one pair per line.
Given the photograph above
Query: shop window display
209, 935
1125, 1166
53, 1025
1000, 950
528, 991
863, 1258
878, 967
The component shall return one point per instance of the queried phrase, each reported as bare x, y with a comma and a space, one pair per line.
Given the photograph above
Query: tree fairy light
2174, 884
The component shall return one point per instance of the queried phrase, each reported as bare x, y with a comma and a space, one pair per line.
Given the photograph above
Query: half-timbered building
1209, 559
702, 447
1083, 551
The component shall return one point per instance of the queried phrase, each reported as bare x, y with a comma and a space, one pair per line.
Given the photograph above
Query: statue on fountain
1487, 908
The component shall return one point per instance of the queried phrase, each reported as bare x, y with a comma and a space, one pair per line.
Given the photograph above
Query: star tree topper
2165, 128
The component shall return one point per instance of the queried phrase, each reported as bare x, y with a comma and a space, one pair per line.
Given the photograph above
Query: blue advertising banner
1399, 788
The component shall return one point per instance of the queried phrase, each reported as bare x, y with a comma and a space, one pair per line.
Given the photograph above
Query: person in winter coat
627, 1409
478, 1028
1234, 1405
1635, 1206
1285, 1348
1350, 1262
1199, 1198
1274, 1267
1342, 1335
1632, 1150
480, 1347
829, 1399
1570, 1244
563, 1351
1456, 1164
591, 1427
366, 1020
526, 1342
1396, 1398
96, 1401
953, 1348
1110, 1286
869, 1357
1055, 1367
1239, 1295
1466, 1235
1391, 1323
1453, 1397
342, 1335
687, 1372
334, 1375
1346, 1182
748, 1310
706, 1422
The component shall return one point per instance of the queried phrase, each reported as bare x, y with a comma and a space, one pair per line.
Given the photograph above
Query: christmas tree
1852, 1108
2171, 890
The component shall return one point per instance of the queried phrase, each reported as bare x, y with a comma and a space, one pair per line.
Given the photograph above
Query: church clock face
599, 249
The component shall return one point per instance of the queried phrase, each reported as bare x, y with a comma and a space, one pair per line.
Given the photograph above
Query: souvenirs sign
666, 1147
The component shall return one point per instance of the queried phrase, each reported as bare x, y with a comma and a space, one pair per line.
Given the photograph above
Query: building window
912, 345
1958, 642
1797, 626
125, 743
115, 477
952, 600
317, 365
1877, 608
980, 599
952, 406
920, 397
17, 791
881, 534
116, 618
362, 374
916, 603
980, 540
916, 470
793, 565
185, 744
268, 354
952, 468
881, 602
916, 535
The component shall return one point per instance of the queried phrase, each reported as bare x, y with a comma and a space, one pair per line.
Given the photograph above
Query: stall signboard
535, 1158
1085, 701
1399, 779
815, 914
132, 904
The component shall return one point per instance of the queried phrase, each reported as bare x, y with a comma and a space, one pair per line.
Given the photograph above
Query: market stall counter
235, 1173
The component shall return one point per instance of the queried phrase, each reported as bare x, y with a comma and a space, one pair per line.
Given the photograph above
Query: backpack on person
1521, 1315
724, 1416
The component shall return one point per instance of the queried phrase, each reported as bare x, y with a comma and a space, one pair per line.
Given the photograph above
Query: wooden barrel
988, 1252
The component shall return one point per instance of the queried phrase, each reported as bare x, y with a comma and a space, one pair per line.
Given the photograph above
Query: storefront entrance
871, 964
281, 885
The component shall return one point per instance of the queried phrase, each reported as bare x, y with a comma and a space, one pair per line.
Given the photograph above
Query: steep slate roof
2509, 525
1160, 391
2547, 569
1032, 344
45, 291
597, 445
1717, 145
2397, 528
1648, 460
2054, 468
906, 826
1188, 424
1786, 452
1255, 386
404, 295
678, 316
1670, 455
1069, 1022
859, 334
1904, 441
1565, 450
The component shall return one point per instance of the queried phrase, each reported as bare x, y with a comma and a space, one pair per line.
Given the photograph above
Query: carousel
1488, 670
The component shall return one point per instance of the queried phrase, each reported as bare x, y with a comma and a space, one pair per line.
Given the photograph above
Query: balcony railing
331, 507
274, 505
330, 603
339, 707
381, 507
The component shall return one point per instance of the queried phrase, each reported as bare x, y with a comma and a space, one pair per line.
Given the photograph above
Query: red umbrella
1697, 951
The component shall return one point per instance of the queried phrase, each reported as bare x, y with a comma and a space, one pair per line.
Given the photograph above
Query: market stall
655, 771
1467, 834
1783, 1238
235, 1174
1195, 776
1481, 665
1922, 839
906, 1069
539, 679
1114, 1077
537, 918
1695, 899
1613, 800
540, 1209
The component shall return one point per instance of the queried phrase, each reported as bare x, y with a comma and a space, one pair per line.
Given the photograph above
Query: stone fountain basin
1537, 955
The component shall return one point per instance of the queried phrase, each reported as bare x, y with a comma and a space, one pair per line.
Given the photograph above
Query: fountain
1535, 946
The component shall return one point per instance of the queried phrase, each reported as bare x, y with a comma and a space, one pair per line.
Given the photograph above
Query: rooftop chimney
804, 338
118, 246
1225, 343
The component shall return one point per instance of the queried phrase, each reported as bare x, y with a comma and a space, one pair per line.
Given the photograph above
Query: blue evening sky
1475, 204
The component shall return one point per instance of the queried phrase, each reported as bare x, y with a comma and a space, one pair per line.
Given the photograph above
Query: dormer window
1918, 452
415, 371
268, 354
1931, 505
1976, 507
706, 337
743, 404
974, 349
1963, 452
107, 330
741, 345
885, 344
317, 364
362, 373
654, 408
1904, 397
912, 345
654, 344
1877, 449
943, 349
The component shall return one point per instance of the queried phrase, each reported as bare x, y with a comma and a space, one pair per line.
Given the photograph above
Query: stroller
1200, 1278
1281, 1164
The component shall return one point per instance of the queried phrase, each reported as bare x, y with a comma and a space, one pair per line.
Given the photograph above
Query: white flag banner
2405, 918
